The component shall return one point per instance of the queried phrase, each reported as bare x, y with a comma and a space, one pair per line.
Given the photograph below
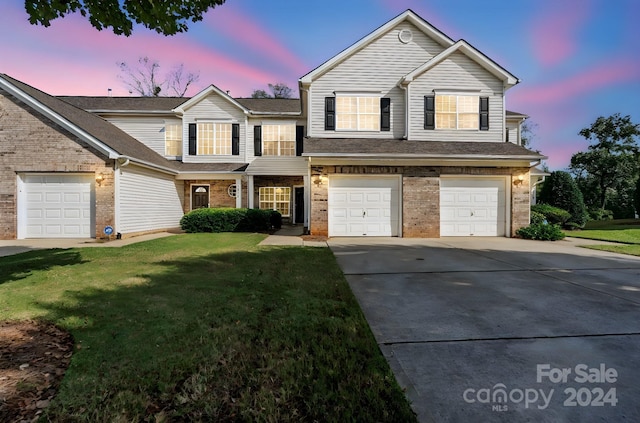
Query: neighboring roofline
408, 15
471, 52
130, 112
516, 116
59, 119
203, 94
146, 164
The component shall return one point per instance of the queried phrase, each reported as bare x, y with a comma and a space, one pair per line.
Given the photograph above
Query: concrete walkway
292, 235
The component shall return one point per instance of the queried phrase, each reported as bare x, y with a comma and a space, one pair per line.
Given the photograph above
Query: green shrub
537, 217
599, 214
230, 220
561, 190
552, 214
541, 231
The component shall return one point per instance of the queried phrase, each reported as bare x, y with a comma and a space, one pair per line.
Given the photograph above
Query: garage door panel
57, 206
372, 209
472, 207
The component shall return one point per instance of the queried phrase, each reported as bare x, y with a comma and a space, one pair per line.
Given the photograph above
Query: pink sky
577, 59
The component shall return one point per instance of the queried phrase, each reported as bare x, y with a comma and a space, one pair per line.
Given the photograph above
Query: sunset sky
577, 59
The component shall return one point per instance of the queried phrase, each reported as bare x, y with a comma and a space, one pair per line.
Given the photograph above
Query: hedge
552, 214
230, 220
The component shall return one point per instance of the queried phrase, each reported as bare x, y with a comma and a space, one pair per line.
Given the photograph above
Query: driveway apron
502, 330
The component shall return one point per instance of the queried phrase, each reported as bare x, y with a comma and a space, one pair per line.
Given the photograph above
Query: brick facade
218, 193
421, 195
45, 147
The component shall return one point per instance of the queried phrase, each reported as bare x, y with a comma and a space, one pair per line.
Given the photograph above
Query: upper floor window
173, 140
456, 112
357, 113
279, 140
212, 138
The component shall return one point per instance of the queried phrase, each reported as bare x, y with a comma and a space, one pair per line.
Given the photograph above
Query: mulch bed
33, 359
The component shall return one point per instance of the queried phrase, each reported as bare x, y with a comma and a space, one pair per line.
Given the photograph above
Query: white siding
514, 136
149, 131
379, 66
457, 72
215, 108
147, 200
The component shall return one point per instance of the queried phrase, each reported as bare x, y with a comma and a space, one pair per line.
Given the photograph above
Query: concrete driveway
503, 330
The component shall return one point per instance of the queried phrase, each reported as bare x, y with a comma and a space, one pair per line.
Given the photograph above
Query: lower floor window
276, 198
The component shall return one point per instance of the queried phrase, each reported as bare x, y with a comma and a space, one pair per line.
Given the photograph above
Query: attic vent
405, 36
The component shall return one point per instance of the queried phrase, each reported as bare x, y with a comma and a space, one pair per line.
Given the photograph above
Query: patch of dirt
314, 238
33, 359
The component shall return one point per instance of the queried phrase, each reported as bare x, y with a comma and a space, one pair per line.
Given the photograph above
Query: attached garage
56, 206
473, 206
364, 206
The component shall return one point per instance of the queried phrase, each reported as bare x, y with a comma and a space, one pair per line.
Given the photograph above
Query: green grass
623, 231
205, 327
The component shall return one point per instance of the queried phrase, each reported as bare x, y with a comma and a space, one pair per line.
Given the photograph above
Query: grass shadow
23, 265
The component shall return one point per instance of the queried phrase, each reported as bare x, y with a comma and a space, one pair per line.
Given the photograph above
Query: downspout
406, 105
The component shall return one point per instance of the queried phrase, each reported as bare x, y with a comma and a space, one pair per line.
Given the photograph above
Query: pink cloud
554, 32
611, 72
73, 58
250, 33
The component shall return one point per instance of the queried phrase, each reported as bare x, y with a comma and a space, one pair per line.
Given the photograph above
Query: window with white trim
276, 198
279, 140
173, 140
214, 138
358, 113
457, 111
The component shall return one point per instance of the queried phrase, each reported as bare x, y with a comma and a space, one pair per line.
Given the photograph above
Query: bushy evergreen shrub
561, 190
537, 217
230, 220
541, 231
552, 214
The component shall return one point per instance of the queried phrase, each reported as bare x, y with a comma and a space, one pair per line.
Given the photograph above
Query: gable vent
405, 36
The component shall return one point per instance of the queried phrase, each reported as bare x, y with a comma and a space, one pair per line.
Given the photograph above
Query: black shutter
299, 140
329, 113
235, 139
257, 140
193, 147
484, 113
385, 114
430, 112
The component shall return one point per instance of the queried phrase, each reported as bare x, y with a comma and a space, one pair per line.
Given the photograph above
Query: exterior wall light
99, 179
519, 180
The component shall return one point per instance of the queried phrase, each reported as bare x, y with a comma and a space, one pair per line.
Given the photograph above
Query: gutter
424, 156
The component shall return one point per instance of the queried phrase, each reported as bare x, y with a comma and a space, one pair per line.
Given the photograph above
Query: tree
636, 197
560, 190
166, 17
145, 81
610, 162
528, 133
279, 90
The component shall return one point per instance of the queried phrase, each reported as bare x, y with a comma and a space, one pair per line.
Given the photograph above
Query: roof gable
471, 52
408, 15
97, 132
211, 89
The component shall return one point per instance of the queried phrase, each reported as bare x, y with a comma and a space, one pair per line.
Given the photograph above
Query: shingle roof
166, 104
366, 147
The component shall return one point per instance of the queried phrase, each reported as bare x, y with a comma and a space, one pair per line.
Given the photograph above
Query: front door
199, 197
299, 204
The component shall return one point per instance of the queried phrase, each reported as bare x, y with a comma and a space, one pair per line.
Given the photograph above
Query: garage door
472, 207
57, 206
363, 206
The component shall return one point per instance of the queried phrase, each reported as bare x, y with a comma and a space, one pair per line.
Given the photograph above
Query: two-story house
404, 133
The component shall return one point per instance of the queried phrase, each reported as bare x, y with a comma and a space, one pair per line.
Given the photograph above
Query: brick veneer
45, 147
218, 193
421, 195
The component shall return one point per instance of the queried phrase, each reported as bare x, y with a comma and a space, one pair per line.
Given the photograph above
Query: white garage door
472, 207
57, 206
363, 206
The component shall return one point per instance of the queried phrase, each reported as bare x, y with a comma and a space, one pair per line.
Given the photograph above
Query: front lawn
204, 327
624, 231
